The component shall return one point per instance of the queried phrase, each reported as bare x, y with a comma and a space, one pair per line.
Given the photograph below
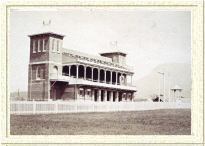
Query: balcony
81, 81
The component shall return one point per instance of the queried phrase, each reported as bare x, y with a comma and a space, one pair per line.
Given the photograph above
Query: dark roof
111, 53
47, 34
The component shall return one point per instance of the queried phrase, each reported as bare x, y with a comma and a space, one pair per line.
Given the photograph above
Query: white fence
44, 107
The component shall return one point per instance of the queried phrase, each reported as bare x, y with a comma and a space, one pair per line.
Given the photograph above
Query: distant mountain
175, 74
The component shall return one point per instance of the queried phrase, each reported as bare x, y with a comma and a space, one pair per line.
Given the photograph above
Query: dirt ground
156, 122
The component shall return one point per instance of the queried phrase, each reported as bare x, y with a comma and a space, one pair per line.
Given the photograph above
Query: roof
74, 52
176, 87
47, 34
115, 52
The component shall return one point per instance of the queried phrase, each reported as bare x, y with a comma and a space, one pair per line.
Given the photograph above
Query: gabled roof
47, 34
176, 87
114, 52
74, 52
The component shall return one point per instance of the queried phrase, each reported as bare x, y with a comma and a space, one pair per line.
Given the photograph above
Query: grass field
165, 122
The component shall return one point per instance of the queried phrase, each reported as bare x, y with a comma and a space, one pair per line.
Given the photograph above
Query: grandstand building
56, 73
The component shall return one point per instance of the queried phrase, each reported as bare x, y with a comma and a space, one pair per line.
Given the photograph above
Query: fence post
34, 106
56, 107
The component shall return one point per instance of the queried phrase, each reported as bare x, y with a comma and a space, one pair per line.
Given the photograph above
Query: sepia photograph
100, 71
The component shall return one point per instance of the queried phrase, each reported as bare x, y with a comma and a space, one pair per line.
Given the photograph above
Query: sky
150, 37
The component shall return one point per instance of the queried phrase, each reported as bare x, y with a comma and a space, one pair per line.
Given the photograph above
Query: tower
45, 60
117, 57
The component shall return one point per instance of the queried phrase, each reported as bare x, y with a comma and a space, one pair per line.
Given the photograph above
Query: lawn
165, 122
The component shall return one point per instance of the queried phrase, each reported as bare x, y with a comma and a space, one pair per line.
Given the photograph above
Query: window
57, 45
42, 73
38, 73
53, 45
39, 49
45, 45
41, 44
34, 46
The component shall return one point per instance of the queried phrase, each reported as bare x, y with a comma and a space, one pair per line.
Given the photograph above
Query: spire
113, 45
46, 25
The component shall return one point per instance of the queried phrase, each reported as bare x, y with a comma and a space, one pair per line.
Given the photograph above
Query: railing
45, 107
74, 80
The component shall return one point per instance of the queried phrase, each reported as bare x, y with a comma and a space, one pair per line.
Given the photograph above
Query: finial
46, 23
114, 45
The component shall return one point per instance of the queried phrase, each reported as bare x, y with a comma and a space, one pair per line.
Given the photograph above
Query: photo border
197, 136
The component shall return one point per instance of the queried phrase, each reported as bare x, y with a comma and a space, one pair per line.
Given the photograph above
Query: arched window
45, 45
57, 45
34, 46
73, 70
53, 45
39, 45
88, 73
38, 73
81, 71
102, 75
95, 74
66, 70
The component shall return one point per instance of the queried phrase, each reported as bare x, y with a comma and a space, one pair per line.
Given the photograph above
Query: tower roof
112, 53
47, 34
176, 87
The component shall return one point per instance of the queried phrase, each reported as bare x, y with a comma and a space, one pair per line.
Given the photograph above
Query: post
169, 87
56, 107
117, 96
111, 96
116, 78
77, 71
159, 90
92, 74
69, 70
111, 77
99, 95
85, 72
164, 85
105, 95
34, 106
105, 75
98, 74
131, 79
92, 94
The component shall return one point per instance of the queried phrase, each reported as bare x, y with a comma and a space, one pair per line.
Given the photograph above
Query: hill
175, 74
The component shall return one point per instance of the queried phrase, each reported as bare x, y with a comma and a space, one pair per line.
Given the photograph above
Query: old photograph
100, 71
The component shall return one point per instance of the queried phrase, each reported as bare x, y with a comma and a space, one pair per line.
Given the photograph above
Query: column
92, 74
132, 97
117, 96
99, 95
105, 75
131, 79
111, 96
85, 93
43, 45
92, 94
111, 77
77, 71
105, 95
84, 72
98, 75
126, 96
69, 70
116, 78
125, 79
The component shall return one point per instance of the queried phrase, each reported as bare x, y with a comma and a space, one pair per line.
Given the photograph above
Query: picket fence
45, 107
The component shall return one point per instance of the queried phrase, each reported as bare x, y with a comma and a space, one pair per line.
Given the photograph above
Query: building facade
56, 73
